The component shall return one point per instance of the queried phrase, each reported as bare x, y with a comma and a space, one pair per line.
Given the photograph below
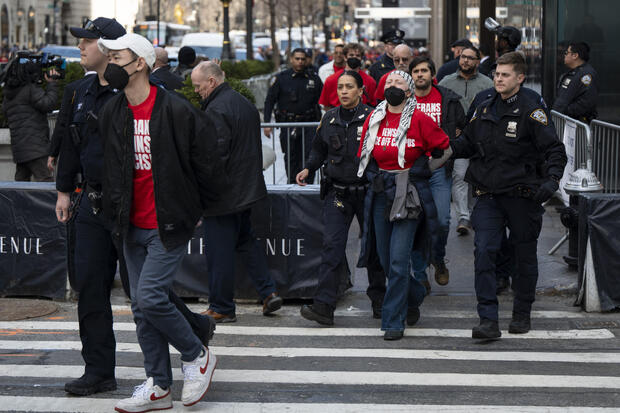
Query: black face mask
116, 76
354, 62
394, 95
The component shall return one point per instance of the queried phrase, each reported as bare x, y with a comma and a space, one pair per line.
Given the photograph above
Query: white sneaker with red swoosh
146, 397
197, 377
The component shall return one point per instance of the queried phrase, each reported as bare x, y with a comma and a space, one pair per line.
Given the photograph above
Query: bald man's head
161, 57
206, 76
402, 57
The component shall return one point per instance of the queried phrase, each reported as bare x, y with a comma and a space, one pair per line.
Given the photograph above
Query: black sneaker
319, 312
520, 324
463, 227
413, 315
377, 310
488, 329
392, 335
442, 275
503, 283
90, 384
205, 328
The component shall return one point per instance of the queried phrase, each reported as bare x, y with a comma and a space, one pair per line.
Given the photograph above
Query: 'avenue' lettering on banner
20, 245
273, 246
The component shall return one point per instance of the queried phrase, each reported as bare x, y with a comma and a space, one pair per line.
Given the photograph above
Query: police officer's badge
539, 115
511, 129
310, 84
359, 132
566, 82
586, 79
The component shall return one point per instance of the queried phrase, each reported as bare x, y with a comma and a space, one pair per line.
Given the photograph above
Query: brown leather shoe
272, 303
221, 318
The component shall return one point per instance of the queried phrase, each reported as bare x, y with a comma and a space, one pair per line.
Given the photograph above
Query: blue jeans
441, 187
151, 271
394, 244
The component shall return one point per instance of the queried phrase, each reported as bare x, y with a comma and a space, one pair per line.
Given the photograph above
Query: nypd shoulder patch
474, 116
273, 80
586, 79
539, 115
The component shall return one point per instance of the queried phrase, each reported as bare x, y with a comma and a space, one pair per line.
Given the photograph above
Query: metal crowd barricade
287, 129
606, 154
583, 140
259, 85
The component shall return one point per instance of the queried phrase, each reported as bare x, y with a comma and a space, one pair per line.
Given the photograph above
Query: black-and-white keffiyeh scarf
375, 120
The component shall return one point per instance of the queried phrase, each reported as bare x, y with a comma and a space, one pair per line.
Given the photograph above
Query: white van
206, 44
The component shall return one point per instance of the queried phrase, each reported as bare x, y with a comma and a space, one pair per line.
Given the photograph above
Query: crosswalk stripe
350, 378
329, 332
87, 405
356, 312
293, 352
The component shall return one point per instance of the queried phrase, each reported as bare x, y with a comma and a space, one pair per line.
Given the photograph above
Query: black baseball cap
393, 36
100, 28
462, 43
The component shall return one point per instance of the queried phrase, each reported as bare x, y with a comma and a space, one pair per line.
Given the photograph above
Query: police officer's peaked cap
511, 34
393, 36
100, 28
308, 51
462, 43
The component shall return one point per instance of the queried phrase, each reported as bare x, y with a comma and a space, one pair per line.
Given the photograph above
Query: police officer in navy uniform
504, 141
577, 90
95, 255
335, 145
384, 63
294, 93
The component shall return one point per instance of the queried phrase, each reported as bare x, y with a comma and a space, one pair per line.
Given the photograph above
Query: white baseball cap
132, 41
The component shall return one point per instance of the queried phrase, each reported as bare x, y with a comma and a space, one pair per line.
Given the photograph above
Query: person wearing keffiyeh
394, 137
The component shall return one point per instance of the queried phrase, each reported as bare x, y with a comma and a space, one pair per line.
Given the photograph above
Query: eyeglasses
398, 60
470, 58
92, 27
567, 52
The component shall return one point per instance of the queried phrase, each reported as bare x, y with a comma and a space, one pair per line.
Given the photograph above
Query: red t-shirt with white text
430, 105
423, 136
143, 213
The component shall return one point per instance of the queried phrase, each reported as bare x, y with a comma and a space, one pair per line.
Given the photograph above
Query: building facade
32, 23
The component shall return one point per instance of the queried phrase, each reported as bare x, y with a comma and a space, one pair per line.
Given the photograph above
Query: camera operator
25, 107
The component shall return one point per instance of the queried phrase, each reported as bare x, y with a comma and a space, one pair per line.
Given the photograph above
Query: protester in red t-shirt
329, 95
154, 196
442, 105
395, 135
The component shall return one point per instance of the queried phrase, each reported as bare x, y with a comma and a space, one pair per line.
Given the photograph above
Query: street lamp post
226, 52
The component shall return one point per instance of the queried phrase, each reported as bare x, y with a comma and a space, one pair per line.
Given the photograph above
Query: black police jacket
187, 173
294, 93
577, 93
336, 143
381, 66
81, 151
237, 132
504, 151
25, 108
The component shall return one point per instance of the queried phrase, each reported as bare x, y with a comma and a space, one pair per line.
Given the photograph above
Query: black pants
296, 144
336, 223
95, 267
524, 220
225, 235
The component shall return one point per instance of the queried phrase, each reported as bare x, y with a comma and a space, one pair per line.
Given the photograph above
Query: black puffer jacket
237, 131
186, 171
26, 109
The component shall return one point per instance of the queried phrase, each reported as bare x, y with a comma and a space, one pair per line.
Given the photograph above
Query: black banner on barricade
287, 223
599, 223
32, 242
289, 228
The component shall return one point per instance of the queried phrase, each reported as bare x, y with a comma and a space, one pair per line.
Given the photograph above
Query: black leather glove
437, 153
546, 191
